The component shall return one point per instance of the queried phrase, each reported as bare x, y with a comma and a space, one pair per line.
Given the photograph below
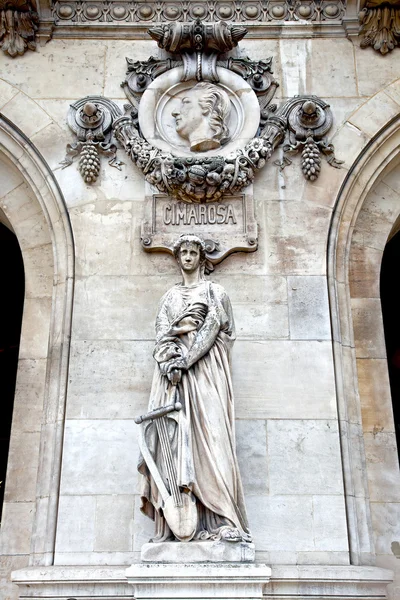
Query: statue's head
190, 249
202, 117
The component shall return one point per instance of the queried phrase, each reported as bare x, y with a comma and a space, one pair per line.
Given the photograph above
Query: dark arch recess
390, 299
11, 306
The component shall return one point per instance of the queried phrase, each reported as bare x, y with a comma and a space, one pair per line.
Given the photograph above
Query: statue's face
189, 257
190, 115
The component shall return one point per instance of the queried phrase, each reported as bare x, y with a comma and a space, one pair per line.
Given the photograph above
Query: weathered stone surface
16, 527
251, 444
108, 464
229, 580
386, 523
304, 457
292, 251
114, 523
109, 379
308, 308
382, 466
376, 399
198, 552
267, 374
24, 111
368, 325
77, 534
370, 118
22, 464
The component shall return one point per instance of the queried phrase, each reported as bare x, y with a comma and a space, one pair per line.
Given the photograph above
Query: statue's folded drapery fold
195, 324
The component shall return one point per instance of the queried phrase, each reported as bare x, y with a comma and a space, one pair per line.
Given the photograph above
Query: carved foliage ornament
212, 169
380, 25
18, 25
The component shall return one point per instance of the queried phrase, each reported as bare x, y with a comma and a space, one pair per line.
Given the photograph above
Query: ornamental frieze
250, 12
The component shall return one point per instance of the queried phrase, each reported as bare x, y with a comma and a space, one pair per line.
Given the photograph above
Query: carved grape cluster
89, 161
311, 159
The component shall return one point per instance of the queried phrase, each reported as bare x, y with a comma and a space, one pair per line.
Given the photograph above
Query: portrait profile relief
203, 116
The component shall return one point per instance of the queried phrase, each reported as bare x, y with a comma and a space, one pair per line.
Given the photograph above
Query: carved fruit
311, 160
197, 174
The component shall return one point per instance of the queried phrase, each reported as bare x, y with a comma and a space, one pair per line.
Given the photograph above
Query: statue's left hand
175, 376
180, 364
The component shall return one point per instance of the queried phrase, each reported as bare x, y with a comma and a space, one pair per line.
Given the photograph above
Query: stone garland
304, 120
196, 179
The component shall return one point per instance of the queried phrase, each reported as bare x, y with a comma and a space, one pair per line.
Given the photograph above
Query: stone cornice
261, 18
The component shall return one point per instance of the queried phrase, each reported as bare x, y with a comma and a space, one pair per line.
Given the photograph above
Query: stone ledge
187, 580
198, 552
156, 580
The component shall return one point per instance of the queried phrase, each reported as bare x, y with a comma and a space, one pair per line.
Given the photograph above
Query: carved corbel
199, 44
18, 25
91, 119
380, 25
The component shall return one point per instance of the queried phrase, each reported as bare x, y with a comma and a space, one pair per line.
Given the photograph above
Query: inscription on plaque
203, 214
229, 226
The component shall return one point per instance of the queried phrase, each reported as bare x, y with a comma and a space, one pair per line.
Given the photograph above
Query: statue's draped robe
202, 433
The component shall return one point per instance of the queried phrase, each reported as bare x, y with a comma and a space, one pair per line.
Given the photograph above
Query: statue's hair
215, 102
190, 239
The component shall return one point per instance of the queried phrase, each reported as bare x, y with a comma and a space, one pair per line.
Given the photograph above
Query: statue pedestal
186, 581
198, 552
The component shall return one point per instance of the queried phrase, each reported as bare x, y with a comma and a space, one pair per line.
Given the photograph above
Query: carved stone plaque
226, 227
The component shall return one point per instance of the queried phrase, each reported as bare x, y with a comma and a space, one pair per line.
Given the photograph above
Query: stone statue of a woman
194, 334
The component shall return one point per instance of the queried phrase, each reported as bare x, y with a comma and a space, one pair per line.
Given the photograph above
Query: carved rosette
91, 119
18, 25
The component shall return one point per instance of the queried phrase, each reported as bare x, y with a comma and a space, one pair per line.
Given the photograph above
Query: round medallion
65, 11
198, 11
92, 11
331, 10
225, 11
119, 12
305, 11
278, 11
145, 12
188, 118
172, 12
251, 11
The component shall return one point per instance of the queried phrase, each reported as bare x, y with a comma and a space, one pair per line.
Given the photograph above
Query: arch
349, 268
35, 209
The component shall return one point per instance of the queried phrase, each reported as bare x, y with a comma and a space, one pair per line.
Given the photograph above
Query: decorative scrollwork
91, 119
309, 120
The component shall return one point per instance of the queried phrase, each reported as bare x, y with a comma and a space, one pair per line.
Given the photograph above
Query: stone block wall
285, 383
